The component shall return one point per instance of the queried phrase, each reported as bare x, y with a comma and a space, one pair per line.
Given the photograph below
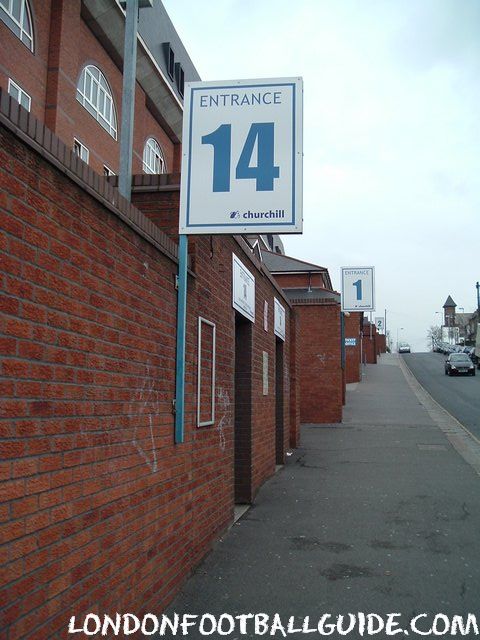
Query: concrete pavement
379, 514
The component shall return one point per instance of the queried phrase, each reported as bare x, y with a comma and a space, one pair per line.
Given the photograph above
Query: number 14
261, 134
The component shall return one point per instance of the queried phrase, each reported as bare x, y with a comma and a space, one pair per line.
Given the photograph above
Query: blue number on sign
261, 134
265, 171
358, 285
221, 139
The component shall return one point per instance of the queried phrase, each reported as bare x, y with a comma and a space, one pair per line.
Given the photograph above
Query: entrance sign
279, 319
358, 289
243, 289
379, 323
242, 157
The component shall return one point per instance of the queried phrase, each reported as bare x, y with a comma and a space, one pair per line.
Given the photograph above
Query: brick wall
352, 353
100, 509
63, 46
211, 256
369, 343
381, 343
294, 383
27, 69
319, 362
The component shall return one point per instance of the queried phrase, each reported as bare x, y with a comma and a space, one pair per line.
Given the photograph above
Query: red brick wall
352, 353
319, 362
28, 69
369, 343
64, 45
211, 259
100, 509
381, 343
294, 382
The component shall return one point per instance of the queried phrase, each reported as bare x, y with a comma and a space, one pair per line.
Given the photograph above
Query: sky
391, 135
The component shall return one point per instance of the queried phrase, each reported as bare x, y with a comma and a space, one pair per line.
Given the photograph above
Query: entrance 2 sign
242, 157
358, 289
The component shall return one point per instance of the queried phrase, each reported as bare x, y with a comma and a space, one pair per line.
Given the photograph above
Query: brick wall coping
37, 136
315, 301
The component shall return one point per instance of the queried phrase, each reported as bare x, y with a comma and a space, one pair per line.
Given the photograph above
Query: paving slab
378, 514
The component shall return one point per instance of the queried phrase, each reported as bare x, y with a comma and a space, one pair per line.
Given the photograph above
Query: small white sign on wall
243, 289
379, 323
279, 313
265, 373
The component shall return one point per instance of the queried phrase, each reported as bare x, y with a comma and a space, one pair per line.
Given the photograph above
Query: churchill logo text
259, 215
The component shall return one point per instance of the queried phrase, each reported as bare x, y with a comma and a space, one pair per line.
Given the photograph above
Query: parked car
403, 347
470, 351
458, 363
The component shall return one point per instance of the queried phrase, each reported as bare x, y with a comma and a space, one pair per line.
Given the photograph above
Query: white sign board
350, 342
242, 157
265, 373
380, 324
358, 289
243, 289
279, 320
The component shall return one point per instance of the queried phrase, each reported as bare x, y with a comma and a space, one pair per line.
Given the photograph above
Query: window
81, 150
108, 172
169, 59
153, 159
16, 15
180, 77
19, 94
94, 94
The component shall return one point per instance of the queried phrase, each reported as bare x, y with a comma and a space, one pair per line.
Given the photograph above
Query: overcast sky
391, 134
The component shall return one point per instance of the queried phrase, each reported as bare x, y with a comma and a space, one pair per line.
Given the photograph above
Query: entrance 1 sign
242, 157
358, 289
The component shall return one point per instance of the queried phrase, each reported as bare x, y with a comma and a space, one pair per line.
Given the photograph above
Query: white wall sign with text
265, 373
279, 319
243, 289
358, 289
242, 157
380, 324
350, 342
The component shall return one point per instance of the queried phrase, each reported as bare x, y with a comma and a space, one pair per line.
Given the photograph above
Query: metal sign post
181, 331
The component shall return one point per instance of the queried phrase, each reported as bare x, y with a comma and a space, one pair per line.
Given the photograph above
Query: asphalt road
459, 395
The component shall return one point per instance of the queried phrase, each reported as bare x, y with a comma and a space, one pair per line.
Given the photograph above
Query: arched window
17, 16
95, 95
153, 158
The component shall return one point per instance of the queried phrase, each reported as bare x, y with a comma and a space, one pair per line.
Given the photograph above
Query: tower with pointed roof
449, 311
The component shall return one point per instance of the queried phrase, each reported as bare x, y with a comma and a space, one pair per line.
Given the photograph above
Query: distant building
458, 328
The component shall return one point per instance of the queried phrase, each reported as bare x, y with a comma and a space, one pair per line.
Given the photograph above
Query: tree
434, 335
